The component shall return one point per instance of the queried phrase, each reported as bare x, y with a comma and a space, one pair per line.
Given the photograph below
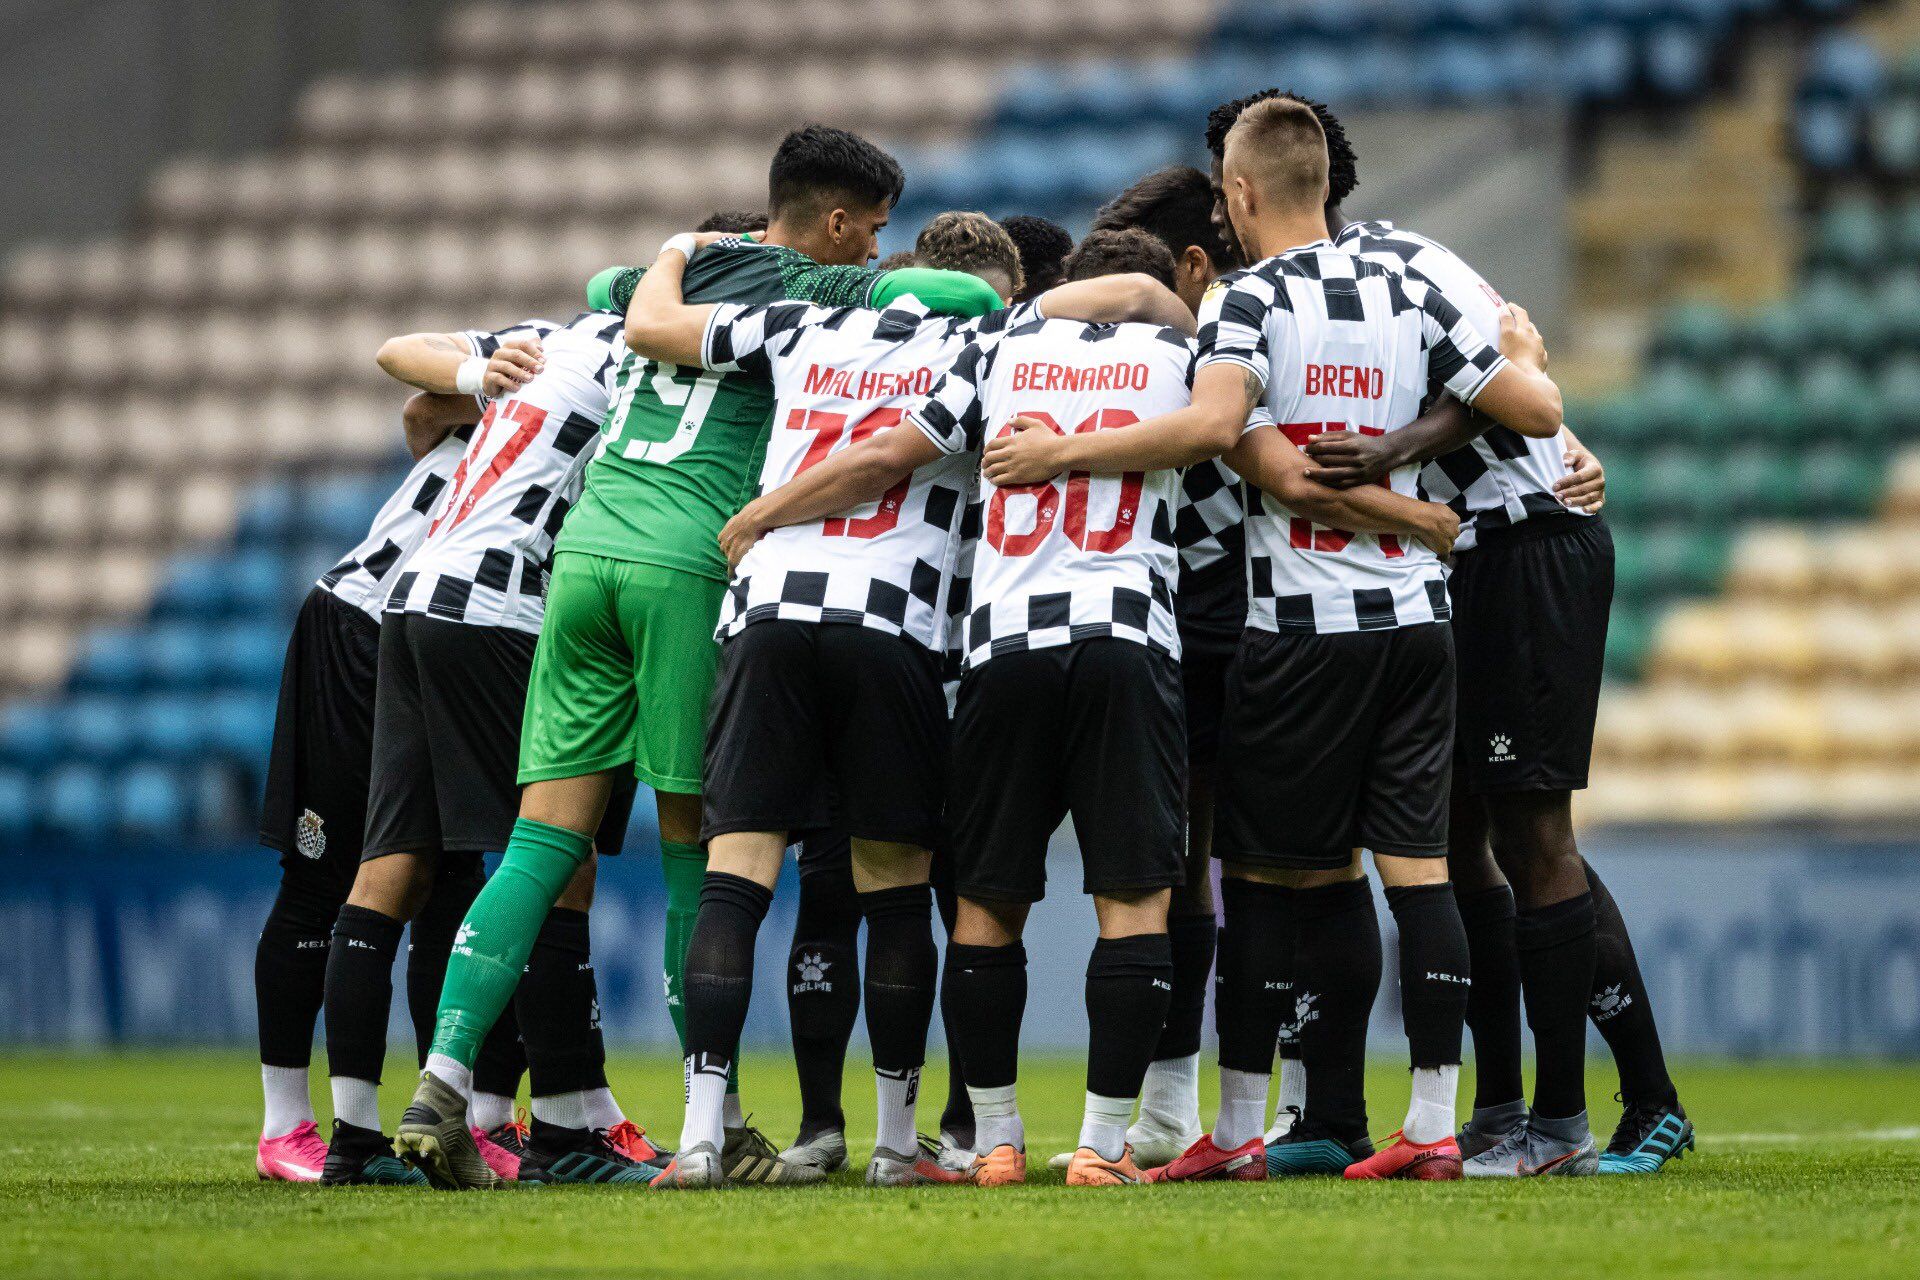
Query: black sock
503, 1057
1256, 951
430, 945
1434, 973
823, 993
1129, 986
559, 1009
1493, 1001
989, 986
1556, 947
719, 972
1192, 940
1620, 1008
902, 972
360, 991
957, 1116
290, 970
1335, 978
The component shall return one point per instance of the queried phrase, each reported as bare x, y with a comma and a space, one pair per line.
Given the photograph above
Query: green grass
141, 1165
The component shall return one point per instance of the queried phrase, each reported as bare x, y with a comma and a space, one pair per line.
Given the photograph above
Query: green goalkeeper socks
490, 951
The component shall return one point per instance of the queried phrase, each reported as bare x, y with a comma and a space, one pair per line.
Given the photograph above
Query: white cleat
954, 1155
825, 1151
696, 1168
1153, 1141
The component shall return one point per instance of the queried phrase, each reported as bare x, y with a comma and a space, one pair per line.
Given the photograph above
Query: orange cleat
1204, 1162
1414, 1161
1004, 1166
1089, 1168
630, 1140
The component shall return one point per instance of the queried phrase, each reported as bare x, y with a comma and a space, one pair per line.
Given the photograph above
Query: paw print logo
464, 936
1611, 1001
814, 967
1501, 747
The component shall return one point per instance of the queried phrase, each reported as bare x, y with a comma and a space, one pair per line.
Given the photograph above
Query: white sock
896, 1094
996, 1119
603, 1112
456, 1075
289, 1102
706, 1100
1293, 1085
568, 1110
356, 1102
1103, 1125
489, 1111
1243, 1108
1430, 1113
735, 1117
1171, 1094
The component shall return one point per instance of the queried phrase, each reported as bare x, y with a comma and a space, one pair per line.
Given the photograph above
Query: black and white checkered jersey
489, 538
362, 578
1340, 344
1502, 477
1080, 556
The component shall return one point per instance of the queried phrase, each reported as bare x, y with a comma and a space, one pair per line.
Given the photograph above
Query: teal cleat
1648, 1137
557, 1155
1310, 1151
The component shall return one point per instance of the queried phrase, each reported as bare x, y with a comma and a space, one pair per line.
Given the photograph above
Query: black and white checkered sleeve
485, 342
1233, 321
744, 339
1458, 357
952, 416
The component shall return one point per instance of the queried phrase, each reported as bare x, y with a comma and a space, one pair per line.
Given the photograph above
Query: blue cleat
1310, 1151
1648, 1137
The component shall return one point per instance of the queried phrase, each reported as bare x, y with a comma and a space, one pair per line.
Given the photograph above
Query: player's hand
1520, 341
1343, 459
1440, 529
739, 534
518, 361
1585, 484
1028, 454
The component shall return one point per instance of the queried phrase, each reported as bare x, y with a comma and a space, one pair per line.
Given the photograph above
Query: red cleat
1414, 1161
631, 1141
1204, 1162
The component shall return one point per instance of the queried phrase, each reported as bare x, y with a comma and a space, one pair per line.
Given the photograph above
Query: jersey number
828, 430
689, 390
1305, 535
1047, 498
460, 499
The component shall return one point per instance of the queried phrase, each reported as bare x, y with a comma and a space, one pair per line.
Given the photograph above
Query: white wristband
470, 376
684, 242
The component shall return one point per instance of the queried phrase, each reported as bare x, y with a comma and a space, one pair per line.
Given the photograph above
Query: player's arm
661, 324
857, 474
1133, 296
944, 293
1269, 461
430, 417
446, 363
1343, 459
1518, 394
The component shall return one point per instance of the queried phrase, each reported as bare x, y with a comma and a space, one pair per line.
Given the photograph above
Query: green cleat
434, 1138
1647, 1138
1308, 1151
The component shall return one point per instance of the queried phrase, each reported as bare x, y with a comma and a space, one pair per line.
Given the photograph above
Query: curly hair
963, 241
1343, 167
1107, 253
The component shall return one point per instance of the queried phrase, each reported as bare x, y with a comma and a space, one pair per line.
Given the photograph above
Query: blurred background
214, 211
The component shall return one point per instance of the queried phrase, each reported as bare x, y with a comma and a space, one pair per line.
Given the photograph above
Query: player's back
1079, 556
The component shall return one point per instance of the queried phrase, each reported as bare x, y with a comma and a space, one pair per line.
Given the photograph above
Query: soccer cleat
298, 1155
433, 1137
1004, 1166
698, 1167
1091, 1169
1531, 1154
749, 1157
631, 1141
1284, 1121
825, 1151
1152, 1142
1309, 1150
1205, 1162
1487, 1129
893, 1169
956, 1153
1413, 1161
364, 1158
502, 1159
1646, 1138
580, 1156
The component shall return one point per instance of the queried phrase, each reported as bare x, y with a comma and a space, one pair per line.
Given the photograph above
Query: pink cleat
297, 1155
501, 1158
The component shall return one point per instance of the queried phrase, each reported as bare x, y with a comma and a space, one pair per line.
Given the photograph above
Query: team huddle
1235, 532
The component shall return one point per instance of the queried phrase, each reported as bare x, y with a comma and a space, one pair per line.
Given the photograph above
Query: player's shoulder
594, 324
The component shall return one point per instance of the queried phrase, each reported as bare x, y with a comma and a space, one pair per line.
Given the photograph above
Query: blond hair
1279, 146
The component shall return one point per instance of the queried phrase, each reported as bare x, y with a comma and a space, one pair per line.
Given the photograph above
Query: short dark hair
818, 163
1043, 247
1174, 204
1108, 253
737, 221
1343, 167
961, 241
896, 261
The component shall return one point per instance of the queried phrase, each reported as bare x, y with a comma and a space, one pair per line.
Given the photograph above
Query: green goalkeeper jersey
681, 447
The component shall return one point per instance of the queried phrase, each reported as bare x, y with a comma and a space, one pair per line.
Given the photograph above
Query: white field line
1908, 1133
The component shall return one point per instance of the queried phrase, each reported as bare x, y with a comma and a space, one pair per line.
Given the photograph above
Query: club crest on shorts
310, 835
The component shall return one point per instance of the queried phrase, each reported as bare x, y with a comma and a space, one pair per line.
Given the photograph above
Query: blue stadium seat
95, 727
18, 809
171, 726
195, 587
76, 799
179, 656
262, 584
1597, 63
113, 660
268, 516
248, 655
151, 800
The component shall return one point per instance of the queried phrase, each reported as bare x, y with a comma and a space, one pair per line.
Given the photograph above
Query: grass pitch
141, 1165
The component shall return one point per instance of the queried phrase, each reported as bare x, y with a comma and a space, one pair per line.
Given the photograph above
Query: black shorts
1211, 610
824, 851
315, 808
826, 724
1336, 742
1093, 729
1530, 607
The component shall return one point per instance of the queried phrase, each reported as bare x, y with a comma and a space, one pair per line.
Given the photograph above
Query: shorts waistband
1533, 529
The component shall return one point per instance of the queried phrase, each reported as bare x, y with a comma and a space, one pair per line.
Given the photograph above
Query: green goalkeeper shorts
622, 673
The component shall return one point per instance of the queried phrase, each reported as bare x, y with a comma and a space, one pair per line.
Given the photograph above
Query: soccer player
1339, 722
456, 645
625, 665
1070, 702
1043, 247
